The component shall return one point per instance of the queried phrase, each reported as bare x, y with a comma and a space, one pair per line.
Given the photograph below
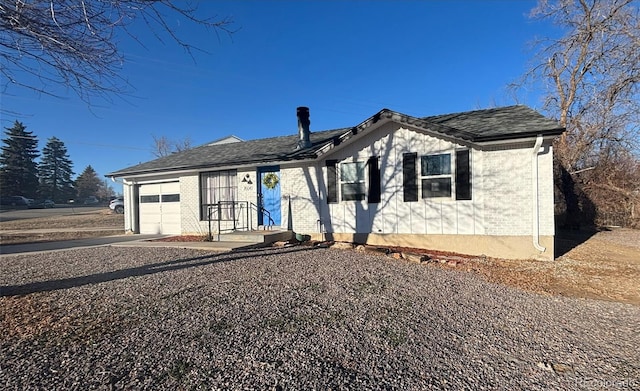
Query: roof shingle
511, 122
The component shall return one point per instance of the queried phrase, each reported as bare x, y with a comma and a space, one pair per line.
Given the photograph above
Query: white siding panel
466, 218
418, 218
433, 215
337, 217
349, 217
390, 214
403, 211
449, 218
377, 219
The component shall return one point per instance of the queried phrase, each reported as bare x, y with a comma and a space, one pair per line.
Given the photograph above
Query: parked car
117, 205
14, 201
42, 204
91, 200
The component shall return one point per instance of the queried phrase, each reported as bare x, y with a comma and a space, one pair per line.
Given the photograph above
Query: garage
160, 208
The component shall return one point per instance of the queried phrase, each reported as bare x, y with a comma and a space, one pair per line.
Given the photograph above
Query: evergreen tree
18, 168
55, 172
88, 183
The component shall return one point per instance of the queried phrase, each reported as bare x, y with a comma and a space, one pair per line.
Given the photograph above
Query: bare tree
162, 146
73, 42
592, 75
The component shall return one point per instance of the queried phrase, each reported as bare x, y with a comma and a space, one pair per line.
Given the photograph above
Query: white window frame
445, 174
218, 186
360, 181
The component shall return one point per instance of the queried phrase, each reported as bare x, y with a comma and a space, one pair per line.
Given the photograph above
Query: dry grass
92, 219
80, 225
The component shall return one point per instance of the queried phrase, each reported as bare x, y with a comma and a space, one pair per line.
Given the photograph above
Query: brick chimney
303, 127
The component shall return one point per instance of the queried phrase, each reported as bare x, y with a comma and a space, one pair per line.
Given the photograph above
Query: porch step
257, 237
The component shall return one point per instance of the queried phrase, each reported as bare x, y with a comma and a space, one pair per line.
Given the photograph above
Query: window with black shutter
409, 179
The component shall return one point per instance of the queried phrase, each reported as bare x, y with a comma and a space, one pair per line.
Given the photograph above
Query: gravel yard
295, 318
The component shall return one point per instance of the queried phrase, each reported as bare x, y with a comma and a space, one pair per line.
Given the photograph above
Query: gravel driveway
295, 318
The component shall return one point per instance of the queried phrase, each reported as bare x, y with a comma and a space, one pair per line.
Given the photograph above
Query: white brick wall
299, 187
545, 191
507, 189
190, 205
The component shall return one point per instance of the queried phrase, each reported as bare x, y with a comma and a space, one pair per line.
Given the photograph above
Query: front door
269, 196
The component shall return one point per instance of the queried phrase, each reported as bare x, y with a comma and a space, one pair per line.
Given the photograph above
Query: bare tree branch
162, 146
72, 42
592, 75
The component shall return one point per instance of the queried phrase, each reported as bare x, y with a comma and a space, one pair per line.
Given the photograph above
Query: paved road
18, 214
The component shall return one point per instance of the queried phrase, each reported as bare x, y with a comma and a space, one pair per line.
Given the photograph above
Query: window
171, 198
215, 187
148, 199
352, 181
436, 175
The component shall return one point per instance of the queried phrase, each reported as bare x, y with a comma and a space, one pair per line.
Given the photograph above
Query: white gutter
536, 197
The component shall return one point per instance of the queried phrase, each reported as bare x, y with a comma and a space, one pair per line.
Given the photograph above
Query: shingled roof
274, 149
501, 123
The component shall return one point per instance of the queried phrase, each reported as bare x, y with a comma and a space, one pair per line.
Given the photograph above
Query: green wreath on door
270, 180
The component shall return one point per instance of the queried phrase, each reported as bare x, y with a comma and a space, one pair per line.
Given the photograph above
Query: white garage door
160, 208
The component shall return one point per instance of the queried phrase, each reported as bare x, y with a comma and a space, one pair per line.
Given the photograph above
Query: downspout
536, 197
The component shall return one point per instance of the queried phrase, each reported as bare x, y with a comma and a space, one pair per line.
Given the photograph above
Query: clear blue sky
346, 60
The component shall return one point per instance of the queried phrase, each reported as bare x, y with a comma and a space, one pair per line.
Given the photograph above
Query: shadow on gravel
65, 283
566, 240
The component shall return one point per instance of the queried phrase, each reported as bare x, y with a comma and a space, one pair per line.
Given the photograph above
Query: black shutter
463, 175
409, 180
374, 180
332, 181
